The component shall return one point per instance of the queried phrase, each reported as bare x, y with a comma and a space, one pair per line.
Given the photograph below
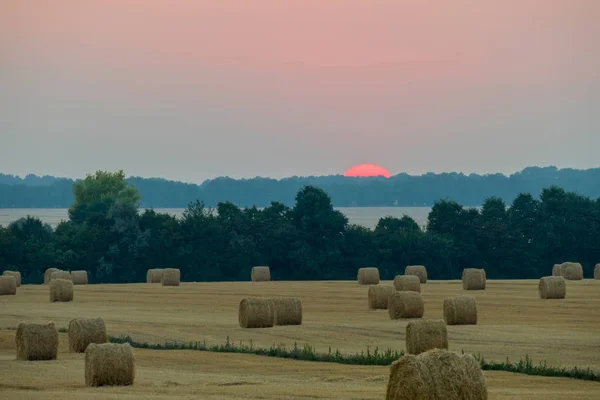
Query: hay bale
406, 305
48, 275
288, 311
552, 287
368, 276
260, 274
84, 331
473, 279
597, 271
109, 364
8, 285
436, 375
571, 271
60, 275
379, 296
417, 270
61, 290
79, 277
16, 274
556, 270
461, 310
405, 283
154, 275
423, 335
170, 277
256, 313
36, 342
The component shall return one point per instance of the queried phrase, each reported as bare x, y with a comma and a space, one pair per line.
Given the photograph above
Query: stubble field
513, 322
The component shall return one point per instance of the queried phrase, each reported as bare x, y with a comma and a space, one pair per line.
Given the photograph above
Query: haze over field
190, 90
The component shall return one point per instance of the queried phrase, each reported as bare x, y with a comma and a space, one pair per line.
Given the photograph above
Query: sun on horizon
366, 170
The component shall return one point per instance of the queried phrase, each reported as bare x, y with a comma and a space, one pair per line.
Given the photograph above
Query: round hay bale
556, 270
552, 287
461, 310
256, 313
48, 275
368, 276
154, 275
406, 305
417, 270
260, 274
379, 296
16, 274
84, 331
60, 275
288, 311
571, 271
109, 364
423, 335
36, 342
436, 375
473, 279
79, 277
170, 277
8, 285
406, 283
61, 290
597, 271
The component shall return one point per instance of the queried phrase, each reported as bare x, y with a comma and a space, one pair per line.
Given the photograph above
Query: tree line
108, 236
399, 190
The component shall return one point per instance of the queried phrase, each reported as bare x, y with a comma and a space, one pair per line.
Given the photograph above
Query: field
513, 322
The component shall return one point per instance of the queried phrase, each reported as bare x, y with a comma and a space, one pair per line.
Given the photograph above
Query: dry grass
217, 376
508, 312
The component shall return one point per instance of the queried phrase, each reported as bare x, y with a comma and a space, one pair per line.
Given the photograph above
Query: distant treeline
108, 236
399, 190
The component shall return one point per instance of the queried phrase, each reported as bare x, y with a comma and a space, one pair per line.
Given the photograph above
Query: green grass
368, 357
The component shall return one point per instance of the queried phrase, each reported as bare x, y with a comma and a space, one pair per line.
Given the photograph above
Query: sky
197, 89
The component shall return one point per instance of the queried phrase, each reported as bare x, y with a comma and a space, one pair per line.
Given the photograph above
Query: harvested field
512, 322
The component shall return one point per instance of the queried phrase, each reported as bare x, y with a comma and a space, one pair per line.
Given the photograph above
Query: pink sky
196, 89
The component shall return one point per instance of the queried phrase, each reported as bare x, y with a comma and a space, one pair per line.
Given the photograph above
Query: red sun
363, 170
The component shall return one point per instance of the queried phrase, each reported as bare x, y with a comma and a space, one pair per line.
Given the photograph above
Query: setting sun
364, 170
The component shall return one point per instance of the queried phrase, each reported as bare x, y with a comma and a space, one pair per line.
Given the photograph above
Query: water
365, 216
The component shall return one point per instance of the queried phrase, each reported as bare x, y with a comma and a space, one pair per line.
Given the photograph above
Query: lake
365, 216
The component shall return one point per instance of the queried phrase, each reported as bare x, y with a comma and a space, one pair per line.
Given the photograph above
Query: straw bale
36, 342
368, 276
406, 305
84, 331
404, 283
556, 270
552, 287
379, 296
109, 364
597, 271
436, 375
61, 290
60, 275
170, 277
288, 311
154, 275
571, 271
260, 274
79, 277
256, 313
48, 275
473, 279
417, 270
423, 335
16, 274
461, 310
8, 285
